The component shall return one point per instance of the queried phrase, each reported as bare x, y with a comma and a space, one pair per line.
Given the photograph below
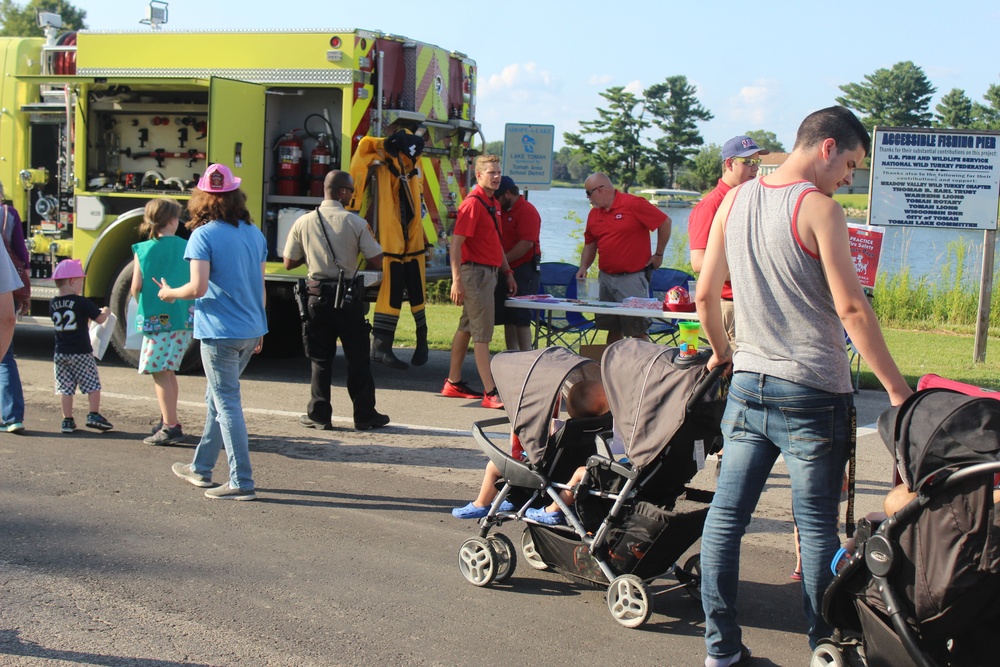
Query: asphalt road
349, 557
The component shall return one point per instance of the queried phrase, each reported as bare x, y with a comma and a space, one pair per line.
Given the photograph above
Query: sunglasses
748, 161
590, 192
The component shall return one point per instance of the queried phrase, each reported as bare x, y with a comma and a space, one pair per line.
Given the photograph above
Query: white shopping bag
133, 338
100, 335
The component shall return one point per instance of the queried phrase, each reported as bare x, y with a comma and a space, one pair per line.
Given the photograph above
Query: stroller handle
704, 385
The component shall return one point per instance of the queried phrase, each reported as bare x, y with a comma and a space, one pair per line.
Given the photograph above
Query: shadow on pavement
12, 644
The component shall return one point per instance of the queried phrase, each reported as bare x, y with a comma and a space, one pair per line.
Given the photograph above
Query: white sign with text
527, 155
935, 178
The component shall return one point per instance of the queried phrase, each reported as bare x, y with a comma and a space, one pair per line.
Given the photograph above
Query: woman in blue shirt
226, 254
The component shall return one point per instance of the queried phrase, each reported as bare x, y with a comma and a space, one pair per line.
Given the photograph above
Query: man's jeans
224, 360
11, 394
811, 429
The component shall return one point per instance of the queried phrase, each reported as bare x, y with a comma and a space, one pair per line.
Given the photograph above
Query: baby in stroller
923, 586
585, 398
626, 524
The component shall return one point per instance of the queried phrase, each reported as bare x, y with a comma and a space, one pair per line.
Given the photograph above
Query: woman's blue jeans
224, 360
11, 393
811, 429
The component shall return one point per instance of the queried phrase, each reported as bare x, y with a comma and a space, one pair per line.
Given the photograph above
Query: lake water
924, 251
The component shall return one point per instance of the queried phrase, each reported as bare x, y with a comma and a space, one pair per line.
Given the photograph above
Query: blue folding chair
562, 328
661, 282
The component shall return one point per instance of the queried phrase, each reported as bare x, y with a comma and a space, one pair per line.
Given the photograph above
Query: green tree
987, 116
897, 97
675, 110
766, 140
493, 148
651, 174
954, 110
704, 170
617, 148
578, 168
21, 21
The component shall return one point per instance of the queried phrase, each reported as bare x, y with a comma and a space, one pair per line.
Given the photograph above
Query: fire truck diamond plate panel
340, 76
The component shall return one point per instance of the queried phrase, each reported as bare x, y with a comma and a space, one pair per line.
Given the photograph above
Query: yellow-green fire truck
94, 124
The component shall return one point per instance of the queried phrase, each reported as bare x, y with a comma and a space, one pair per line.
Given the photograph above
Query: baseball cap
741, 146
506, 183
218, 179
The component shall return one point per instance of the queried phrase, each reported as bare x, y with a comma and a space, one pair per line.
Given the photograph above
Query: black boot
382, 351
421, 352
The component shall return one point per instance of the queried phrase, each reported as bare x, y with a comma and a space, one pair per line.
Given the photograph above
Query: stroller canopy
938, 429
530, 383
648, 389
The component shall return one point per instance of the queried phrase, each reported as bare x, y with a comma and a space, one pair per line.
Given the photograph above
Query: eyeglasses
344, 187
748, 161
590, 192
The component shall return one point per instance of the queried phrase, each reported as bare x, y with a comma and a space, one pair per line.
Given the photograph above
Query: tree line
618, 143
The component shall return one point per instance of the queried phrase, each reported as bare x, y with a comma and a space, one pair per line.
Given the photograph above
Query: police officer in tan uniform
328, 241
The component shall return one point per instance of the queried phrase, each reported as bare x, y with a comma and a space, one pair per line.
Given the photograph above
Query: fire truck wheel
118, 302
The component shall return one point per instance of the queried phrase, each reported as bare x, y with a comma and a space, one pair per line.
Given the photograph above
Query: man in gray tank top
784, 242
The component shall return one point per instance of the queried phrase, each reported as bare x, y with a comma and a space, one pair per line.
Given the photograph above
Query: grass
917, 353
852, 201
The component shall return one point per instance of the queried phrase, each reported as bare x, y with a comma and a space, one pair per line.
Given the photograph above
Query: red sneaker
492, 400
459, 390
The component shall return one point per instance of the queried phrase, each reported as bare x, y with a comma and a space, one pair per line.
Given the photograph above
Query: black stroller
629, 524
923, 589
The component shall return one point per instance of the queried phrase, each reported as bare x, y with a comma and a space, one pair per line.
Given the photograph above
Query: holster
302, 299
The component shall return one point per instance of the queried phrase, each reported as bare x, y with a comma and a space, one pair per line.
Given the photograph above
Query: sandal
548, 518
796, 576
470, 511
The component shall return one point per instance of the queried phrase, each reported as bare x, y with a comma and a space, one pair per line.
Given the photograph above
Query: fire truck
94, 124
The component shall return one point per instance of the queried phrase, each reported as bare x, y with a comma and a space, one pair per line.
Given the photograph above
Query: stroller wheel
629, 600
478, 562
693, 567
506, 556
827, 655
531, 556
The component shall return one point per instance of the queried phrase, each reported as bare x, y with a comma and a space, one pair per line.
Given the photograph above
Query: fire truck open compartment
145, 141
308, 113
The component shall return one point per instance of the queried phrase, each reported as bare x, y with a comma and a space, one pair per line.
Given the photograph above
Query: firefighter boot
420, 353
382, 351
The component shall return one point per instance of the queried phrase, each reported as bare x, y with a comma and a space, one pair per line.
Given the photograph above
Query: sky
756, 66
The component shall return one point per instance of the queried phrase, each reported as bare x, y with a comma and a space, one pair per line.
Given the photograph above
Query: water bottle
441, 254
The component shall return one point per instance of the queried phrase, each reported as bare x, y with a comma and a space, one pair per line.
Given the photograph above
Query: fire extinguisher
289, 154
319, 165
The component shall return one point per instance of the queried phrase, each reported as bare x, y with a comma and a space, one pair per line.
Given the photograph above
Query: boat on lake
669, 198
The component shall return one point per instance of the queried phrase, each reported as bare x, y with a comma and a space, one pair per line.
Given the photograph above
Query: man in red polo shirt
740, 161
618, 229
519, 226
476, 256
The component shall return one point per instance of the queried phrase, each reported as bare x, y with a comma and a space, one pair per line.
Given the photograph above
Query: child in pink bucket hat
74, 355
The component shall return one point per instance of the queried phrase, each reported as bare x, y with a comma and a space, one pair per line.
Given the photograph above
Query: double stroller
634, 514
923, 587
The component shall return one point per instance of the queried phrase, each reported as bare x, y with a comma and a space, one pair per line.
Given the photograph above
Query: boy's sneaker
68, 425
226, 492
492, 400
95, 420
185, 472
168, 435
13, 427
459, 390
